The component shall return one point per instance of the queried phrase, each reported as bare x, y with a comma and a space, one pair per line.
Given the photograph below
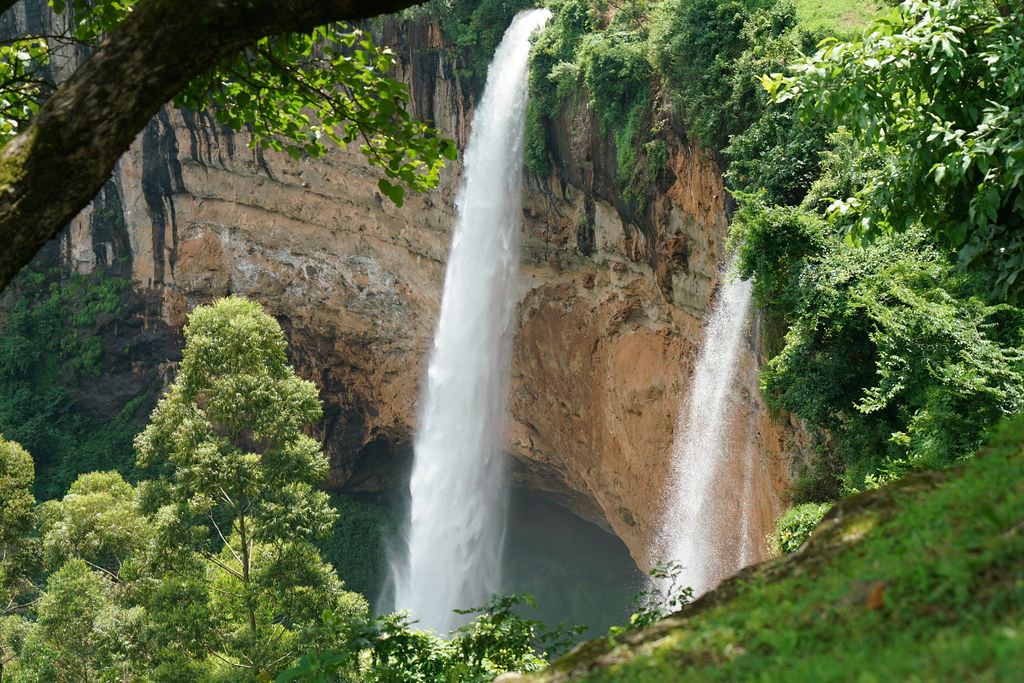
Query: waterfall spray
455, 530
704, 527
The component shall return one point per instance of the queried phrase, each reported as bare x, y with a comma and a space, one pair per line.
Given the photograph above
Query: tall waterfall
455, 531
706, 525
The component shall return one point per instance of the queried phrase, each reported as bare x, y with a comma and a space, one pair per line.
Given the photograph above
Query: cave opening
578, 573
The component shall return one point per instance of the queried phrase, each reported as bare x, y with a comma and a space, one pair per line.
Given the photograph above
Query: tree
16, 509
235, 483
99, 522
937, 90
150, 54
16, 521
81, 632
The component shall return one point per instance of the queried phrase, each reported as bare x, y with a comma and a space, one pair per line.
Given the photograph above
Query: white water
706, 525
456, 527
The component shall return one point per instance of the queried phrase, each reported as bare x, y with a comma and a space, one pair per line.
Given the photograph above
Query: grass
921, 580
842, 18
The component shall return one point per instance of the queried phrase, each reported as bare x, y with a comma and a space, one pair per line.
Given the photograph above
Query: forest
873, 154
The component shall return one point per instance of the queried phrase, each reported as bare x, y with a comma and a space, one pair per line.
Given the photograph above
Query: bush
696, 45
892, 352
554, 73
795, 525
472, 27
389, 649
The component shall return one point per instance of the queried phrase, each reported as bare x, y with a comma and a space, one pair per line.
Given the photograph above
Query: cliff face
611, 309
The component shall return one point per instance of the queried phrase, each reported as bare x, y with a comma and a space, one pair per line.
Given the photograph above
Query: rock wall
612, 300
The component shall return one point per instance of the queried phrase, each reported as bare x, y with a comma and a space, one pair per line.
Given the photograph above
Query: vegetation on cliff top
899, 348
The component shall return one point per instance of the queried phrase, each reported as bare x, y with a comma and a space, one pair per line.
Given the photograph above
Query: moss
12, 170
919, 580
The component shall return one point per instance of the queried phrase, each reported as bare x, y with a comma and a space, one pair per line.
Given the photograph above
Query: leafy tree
937, 89
80, 633
16, 508
100, 613
16, 522
235, 482
888, 349
146, 56
99, 521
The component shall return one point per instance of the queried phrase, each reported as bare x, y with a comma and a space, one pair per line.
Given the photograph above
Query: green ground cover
841, 17
920, 580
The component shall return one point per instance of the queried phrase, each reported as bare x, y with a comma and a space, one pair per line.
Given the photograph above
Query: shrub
795, 525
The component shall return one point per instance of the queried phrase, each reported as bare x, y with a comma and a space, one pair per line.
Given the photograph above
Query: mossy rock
920, 580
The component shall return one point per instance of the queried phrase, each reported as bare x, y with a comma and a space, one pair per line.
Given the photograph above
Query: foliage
296, 91
777, 153
49, 348
932, 593
355, 545
617, 75
232, 463
696, 45
16, 499
664, 595
387, 648
23, 88
638, 63
611, 62
554, 73
938, 89
17, 550
80, 632
472, 29
888, 348
205, 572
97, 521
795, 525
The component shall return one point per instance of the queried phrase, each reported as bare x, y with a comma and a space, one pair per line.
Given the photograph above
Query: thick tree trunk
53, 169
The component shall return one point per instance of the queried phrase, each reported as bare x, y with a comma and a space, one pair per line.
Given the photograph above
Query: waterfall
706, 526
455, 530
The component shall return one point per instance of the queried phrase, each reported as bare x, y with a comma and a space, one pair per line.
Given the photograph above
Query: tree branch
51, 170
213, 558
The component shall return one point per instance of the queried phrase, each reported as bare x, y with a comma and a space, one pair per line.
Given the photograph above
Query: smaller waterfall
456, 526
705, 526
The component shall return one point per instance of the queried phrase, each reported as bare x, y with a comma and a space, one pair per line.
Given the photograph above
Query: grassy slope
921, 580
839, 17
